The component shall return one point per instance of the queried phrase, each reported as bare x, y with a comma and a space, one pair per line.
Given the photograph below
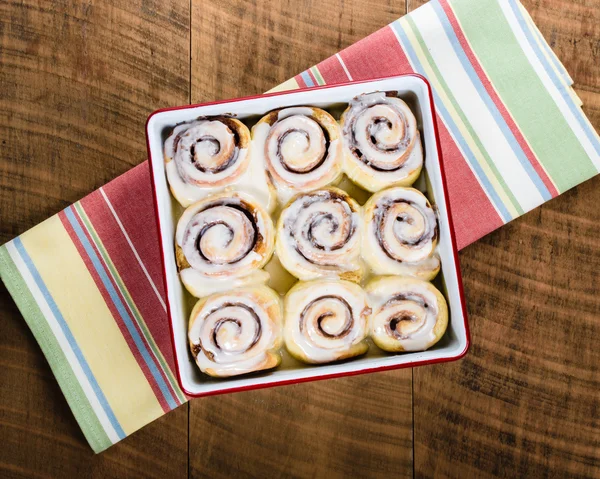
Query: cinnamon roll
401, 234
300, 148
209, 154
222, 242
237, 332
408, 314
381, 142
325, 320
318, 234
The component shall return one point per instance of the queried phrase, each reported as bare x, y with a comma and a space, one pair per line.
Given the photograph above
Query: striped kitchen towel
88, 280
512, 130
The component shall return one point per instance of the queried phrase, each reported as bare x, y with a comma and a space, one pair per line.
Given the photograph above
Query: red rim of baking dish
331, 375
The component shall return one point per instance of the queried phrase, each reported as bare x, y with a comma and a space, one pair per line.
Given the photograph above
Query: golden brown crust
182, 262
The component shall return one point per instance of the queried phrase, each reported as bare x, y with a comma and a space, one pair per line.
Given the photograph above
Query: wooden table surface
77, 81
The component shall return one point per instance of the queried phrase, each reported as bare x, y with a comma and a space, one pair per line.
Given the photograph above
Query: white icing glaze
385, 131
334, 227
218, 241
316, 303
414, 323
284, 194
295, 110
368, 99
408, 232
255, 182
189, 184
236, 332
300, 141
199, 285
228, 241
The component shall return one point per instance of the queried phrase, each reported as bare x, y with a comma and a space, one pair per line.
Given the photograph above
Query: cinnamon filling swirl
381, 141
228, 330
300, 148
298, 143
223, 237
401, 224
401, 234
409, 314
209, 146
318, 234
380, 131
331, 317
328, 229
404, 319
238, 332
325, 320
222, 234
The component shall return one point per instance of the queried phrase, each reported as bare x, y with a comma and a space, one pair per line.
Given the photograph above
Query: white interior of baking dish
415, 92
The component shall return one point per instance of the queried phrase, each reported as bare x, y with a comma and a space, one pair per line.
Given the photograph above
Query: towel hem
89, 424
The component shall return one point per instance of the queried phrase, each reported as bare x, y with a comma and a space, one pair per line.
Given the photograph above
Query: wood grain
77, 81
40, 437
358, 426
524, 402
246, 48
351, 427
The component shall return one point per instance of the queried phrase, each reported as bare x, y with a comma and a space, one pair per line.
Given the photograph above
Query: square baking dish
416, 92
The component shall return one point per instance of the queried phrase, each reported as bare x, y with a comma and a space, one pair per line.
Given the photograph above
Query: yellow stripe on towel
290, 84
73, 289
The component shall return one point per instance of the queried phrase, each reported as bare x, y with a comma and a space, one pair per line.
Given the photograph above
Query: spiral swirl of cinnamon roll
382, 145
318, 234
401, 234
237, 332
408, 314
209, 154
222, 242
325, 321
300, 148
